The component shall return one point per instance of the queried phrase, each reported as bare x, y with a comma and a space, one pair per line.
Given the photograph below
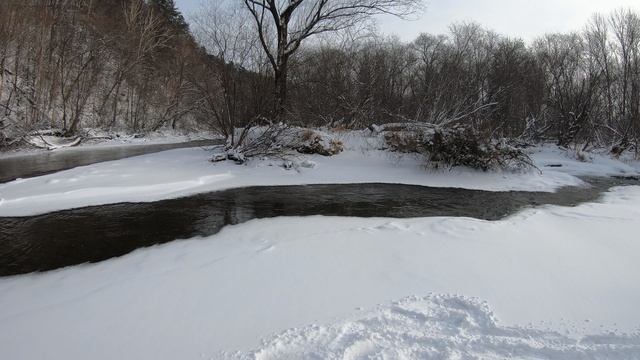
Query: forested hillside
113, 64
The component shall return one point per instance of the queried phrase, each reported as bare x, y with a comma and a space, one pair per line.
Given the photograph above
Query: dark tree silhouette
283, 25
170, 11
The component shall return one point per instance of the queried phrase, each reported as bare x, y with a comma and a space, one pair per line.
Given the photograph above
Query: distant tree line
137, 65
579, 88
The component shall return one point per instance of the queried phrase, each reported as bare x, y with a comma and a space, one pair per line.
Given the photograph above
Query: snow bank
571, 271
437, 327
53, 142
594, 164
100, 139
184, 172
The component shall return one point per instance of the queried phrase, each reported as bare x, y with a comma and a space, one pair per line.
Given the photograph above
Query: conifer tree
169, 9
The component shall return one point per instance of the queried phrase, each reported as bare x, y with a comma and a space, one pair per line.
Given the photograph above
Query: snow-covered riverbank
551, 275
558, 282
98, 139
185, 172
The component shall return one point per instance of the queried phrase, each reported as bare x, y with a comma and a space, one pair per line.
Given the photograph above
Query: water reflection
97, 233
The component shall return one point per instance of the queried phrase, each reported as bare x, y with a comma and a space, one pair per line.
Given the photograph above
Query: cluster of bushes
459, 146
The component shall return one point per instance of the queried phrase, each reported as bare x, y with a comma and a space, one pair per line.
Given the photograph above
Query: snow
436, 327
100, 139
549, 282
53, 142
594, 164
559, 283
183, 172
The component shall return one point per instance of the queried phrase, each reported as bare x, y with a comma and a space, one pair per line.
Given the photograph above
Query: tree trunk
280, 90
281, 71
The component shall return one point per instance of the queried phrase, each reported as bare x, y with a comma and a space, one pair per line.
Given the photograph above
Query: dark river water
92, 234
38, 164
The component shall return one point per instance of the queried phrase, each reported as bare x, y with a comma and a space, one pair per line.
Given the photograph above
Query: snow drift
437, 327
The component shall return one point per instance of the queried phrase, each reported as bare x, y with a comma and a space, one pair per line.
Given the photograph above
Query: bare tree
224, 29
283, 25
625, 25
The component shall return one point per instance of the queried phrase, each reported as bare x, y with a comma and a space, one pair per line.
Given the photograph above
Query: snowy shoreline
184, 172
104, 140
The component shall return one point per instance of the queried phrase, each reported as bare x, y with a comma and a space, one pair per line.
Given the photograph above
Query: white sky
518, 18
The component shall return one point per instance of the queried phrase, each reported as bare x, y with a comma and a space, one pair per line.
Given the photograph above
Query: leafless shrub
278, 141
459, 146
404, 142
272, 140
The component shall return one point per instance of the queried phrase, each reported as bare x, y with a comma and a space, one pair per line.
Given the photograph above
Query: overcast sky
518, 18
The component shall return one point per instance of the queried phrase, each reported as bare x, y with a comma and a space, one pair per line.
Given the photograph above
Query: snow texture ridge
436, 327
